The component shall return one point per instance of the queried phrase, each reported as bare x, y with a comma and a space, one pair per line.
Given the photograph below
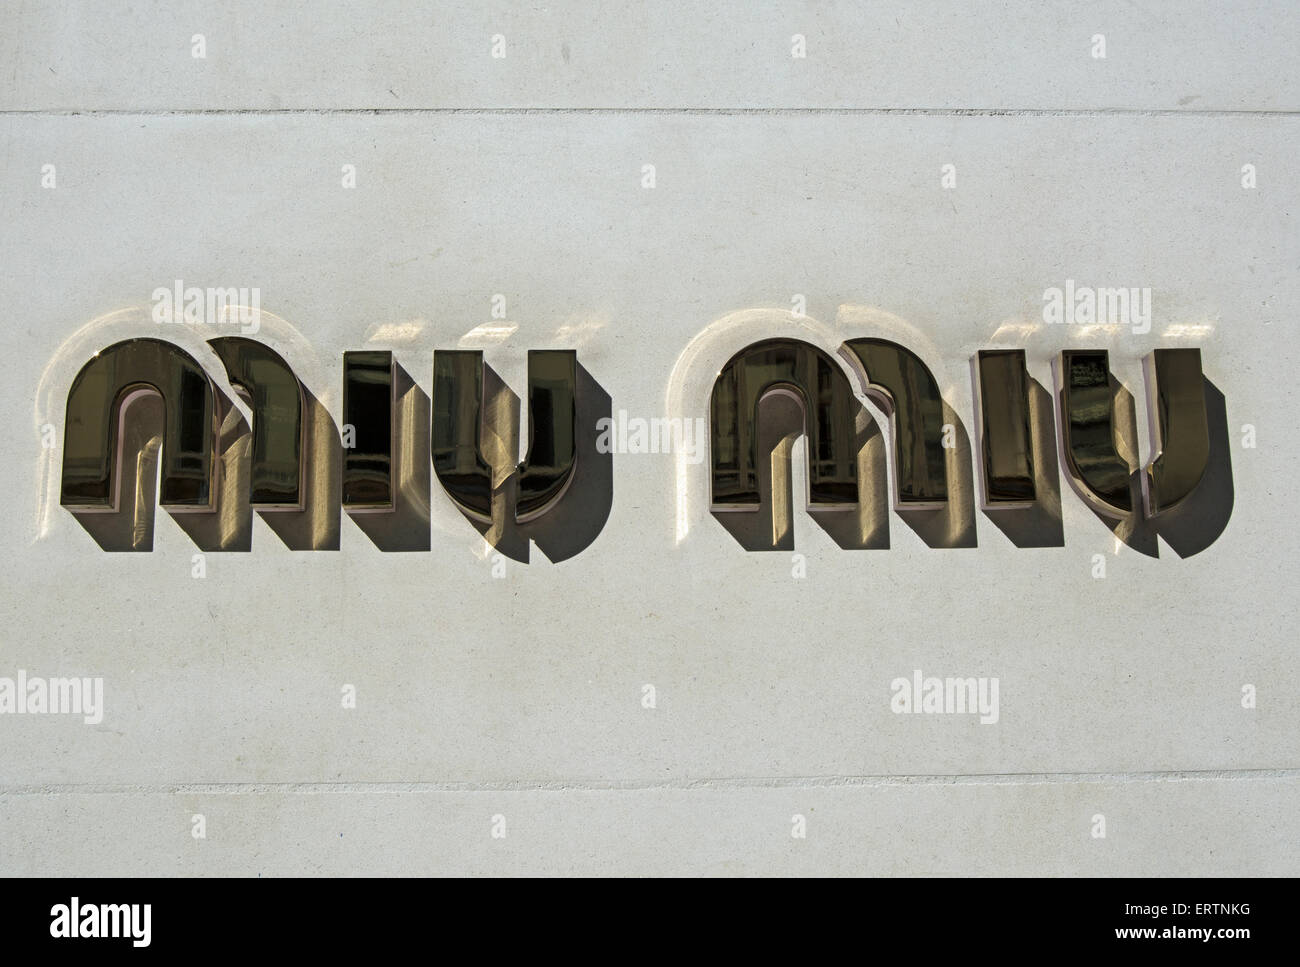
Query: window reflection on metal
456, 442
1006, 441
276, 397
810, 375
907, 387
95, 401
552, 431
1186, 410
1088, 429
1179, 425
368, 421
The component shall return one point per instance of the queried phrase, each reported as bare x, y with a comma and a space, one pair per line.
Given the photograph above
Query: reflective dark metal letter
552, 431
803, 370
1006, 440
95, 401
911, 391
552, 428
275, 477
454, 444
1088, 430
1179, 425
368, 412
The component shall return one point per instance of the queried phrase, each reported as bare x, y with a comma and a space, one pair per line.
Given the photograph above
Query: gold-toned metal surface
552, 431
368, 427
829, 407
1006, 440
276, 397
456, 432
456, 436
909, 389
1176, 402
91, 429
203, 443
1088, 428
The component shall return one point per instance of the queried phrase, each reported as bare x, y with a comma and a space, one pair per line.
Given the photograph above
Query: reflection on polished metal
455, 437
1006, 441
552, 431
456, 442
1180, 426
95, 402
192, 404
368, 417
1088, 428
276, 397
804, 371
910, 390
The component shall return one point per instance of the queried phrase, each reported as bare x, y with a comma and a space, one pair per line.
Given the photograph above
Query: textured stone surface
334, 54
522, 695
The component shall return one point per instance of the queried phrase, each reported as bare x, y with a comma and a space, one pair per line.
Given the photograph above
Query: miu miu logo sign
294, 461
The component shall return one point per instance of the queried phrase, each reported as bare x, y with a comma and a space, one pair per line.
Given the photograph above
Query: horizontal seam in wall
667, 785
705, 111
